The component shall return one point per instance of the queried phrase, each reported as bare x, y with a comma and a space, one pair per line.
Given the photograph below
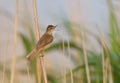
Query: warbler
43, 43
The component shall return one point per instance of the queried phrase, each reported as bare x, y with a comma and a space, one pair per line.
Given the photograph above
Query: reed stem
41, 59
15, 44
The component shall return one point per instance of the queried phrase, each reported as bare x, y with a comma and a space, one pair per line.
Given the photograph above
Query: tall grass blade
85, 58
15, 44
69, 55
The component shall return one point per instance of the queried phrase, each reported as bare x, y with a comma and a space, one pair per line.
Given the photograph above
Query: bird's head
50, 28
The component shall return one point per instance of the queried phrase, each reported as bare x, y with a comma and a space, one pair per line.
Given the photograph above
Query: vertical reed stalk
103, 62
63, 52
39, 73
28, 73
3, 75
15, 43
106, 70
103, 66
85, 58
43, 69
38, 37
4, 64
107, 60
71, 73
36, 19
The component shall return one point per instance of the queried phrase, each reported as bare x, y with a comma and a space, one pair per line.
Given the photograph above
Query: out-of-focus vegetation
104, 67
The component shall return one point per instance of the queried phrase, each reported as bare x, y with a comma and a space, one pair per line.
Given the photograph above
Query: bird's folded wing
45, 40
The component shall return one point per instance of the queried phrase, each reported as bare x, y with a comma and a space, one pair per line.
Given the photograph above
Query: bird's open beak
55, 26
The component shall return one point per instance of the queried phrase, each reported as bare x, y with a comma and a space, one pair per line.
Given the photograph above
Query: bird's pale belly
45, 47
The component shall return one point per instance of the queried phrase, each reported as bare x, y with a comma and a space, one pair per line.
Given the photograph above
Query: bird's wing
45, 40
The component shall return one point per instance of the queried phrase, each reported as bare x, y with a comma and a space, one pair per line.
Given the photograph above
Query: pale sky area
91, 14
88, 13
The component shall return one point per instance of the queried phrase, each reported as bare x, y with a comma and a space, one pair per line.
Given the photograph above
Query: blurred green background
86, 45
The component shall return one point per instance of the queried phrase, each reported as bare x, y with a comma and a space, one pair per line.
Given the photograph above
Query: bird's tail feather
31, 55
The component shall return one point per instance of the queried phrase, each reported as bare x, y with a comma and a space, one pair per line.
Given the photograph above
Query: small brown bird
43, 42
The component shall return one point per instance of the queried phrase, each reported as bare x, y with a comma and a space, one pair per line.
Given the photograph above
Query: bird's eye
49, 28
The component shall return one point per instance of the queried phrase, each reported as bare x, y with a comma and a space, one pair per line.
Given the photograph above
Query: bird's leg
42, 53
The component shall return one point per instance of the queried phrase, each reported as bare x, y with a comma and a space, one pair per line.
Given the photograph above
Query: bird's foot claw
42, 55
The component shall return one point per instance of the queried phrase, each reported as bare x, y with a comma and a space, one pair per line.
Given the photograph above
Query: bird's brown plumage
42, 44
44, 41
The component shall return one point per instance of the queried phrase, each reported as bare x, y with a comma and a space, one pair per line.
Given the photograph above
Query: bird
43, 43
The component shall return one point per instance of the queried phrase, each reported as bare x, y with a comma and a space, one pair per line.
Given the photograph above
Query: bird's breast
47, 46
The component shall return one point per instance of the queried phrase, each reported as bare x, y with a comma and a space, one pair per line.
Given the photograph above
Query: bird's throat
49, 32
